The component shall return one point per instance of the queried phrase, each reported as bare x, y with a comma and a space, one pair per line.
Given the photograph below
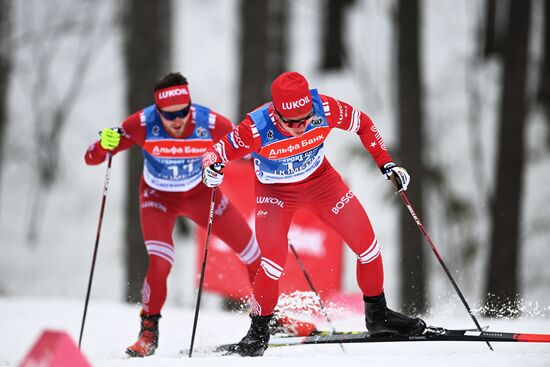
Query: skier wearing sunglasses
173, 133
285, 138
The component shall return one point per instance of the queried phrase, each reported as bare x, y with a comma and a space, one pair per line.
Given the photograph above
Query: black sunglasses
290, 122
175, 114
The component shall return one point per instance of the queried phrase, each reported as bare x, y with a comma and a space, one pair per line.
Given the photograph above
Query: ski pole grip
394, 181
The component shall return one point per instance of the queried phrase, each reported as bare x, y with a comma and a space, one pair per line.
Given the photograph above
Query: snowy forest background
459, 90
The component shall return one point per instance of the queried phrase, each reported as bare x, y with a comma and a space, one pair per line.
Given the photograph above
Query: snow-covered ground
111, 327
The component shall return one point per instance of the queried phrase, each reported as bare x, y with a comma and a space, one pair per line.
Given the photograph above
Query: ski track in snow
111, 327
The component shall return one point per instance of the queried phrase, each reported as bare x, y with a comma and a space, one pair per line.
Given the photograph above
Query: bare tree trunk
490, 44
496, 19
543, 95
333, 34
413, 275
147, 51
5, 66
263, 50
277, 38
502, 287
254, 86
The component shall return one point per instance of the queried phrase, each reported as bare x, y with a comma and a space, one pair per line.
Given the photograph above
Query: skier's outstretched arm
117, 139
343, 116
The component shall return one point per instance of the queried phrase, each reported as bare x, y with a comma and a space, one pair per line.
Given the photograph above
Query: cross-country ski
431, 334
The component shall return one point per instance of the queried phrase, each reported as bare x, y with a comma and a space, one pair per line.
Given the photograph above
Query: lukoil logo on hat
174, 95
290, 94
295, 104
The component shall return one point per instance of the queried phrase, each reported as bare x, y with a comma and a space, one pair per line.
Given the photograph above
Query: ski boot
255, 341
148, 339
381, 321
282, 324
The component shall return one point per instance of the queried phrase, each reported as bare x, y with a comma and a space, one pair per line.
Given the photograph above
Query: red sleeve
221, 126
242, 140
342, 116
132, 131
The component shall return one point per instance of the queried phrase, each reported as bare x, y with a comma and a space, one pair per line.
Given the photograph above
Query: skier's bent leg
153, 297
353, 224
272, 229
379, 319
157, 223
154, 291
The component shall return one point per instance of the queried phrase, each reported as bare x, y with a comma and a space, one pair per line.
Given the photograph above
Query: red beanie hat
290, 95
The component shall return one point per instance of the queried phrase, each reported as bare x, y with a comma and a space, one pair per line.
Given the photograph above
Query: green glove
109, 138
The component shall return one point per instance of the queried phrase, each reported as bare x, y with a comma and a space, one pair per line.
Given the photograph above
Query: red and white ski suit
159, 208
292, 172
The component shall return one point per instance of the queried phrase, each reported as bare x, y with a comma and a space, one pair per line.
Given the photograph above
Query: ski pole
198, 303
439, 257
101, 211
308, 279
